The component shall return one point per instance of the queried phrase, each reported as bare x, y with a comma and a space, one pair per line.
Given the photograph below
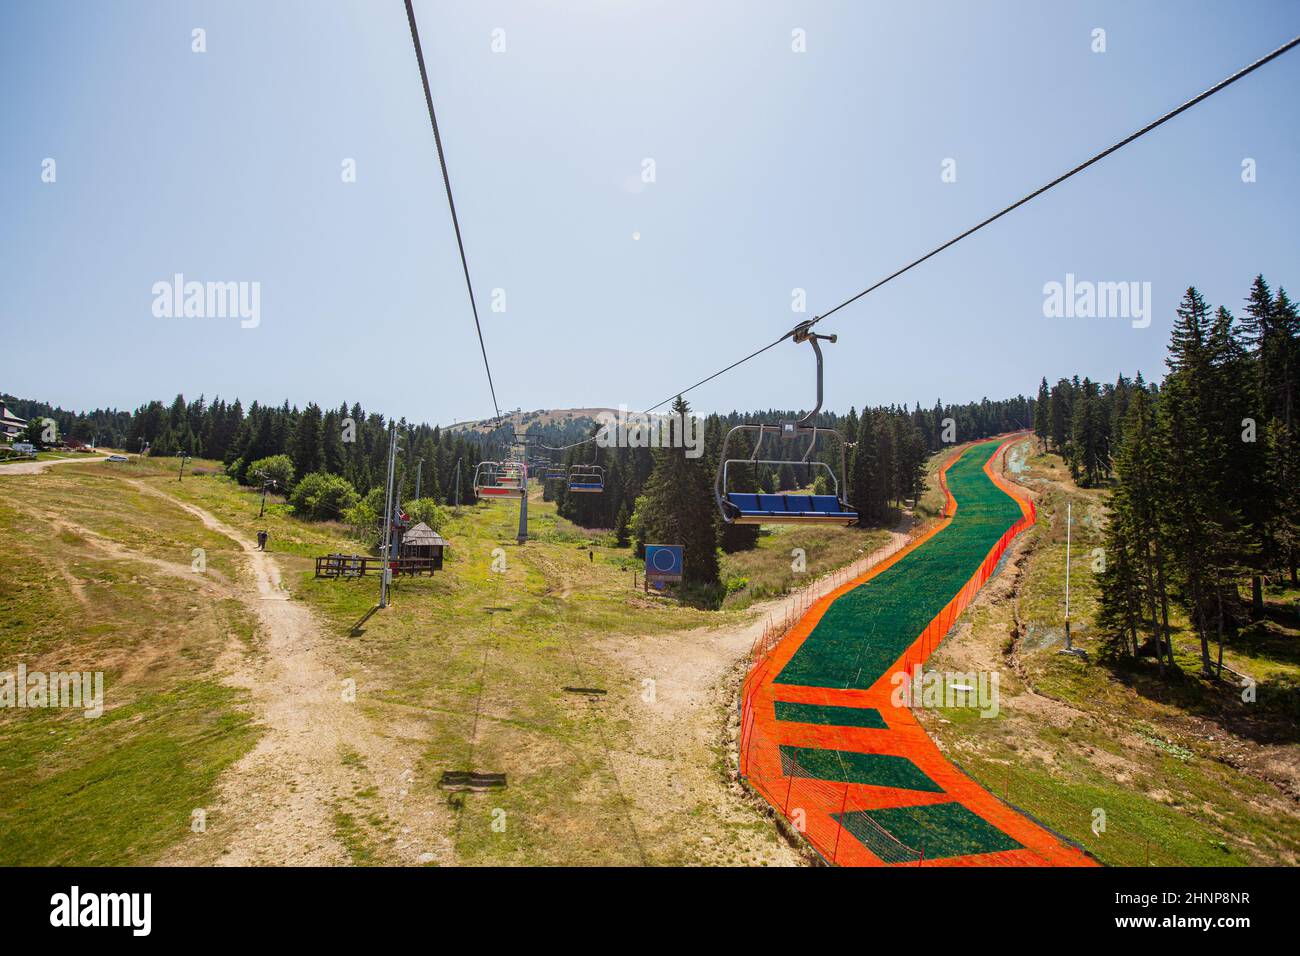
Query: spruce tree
885, 465
1058, 414
1203, 526
622, 527
307, 450
1137, 538
863, 480
1042, 411
679, 509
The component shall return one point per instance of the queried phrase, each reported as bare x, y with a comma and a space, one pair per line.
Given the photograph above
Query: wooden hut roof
421, 535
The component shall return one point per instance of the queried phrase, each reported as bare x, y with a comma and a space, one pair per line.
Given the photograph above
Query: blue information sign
663, 562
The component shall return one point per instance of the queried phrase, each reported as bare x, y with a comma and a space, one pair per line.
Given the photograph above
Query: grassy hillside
1184, 772
97, 578
468, 668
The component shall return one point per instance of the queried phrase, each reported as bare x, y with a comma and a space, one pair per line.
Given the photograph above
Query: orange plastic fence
816, 807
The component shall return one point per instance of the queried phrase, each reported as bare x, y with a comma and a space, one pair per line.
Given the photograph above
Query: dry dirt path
685, 713
36, 467
278, 804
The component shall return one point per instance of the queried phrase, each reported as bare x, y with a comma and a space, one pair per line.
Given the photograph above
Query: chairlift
588, 479
494, 480
757, 507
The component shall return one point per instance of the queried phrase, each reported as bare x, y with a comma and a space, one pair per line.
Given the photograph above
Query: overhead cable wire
1245, 71
808, 325
451, 202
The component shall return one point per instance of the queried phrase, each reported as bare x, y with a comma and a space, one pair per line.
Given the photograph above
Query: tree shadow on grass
1271, 718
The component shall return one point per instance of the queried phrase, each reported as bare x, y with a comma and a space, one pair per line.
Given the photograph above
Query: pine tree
912, 467
1059, 415
1203, 526
1042, 413
1083, 438
885, 464
307, 450
679, 509
785, 479
1271, 328
333, 456
1134, 585
863, 480
1280, 536
621, 526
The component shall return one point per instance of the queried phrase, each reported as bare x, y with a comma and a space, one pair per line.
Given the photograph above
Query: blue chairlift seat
789, 509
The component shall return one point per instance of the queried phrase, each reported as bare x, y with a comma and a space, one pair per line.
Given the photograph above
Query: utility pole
522, 535
1069, 521
387, 572
457, 499
181, 472
419, 471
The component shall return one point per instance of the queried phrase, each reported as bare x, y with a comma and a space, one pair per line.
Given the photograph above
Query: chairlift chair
513, 475
494, 480
759, 508
588, 479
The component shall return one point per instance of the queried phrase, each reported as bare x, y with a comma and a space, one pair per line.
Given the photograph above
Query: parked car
119, 458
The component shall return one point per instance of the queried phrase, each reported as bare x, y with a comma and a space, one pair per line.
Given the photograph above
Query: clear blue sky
775, 170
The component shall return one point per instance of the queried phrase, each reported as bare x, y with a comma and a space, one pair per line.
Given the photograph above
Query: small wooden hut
421, 549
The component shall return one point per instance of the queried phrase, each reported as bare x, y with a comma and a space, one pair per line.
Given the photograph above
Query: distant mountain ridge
545, 417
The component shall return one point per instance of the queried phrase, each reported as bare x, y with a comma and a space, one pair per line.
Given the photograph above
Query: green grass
1123, 741
565, 613
935, 831
1174, 813
118, 789
846, 766
768, 570
863, 632
830, 714
548, 622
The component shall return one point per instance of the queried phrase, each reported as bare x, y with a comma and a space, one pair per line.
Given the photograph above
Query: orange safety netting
956, 822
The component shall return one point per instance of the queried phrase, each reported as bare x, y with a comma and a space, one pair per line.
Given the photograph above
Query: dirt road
281, 803
36, 467
322, 759
678, 761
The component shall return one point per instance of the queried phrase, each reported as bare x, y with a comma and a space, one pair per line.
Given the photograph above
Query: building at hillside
424, 544
11, 426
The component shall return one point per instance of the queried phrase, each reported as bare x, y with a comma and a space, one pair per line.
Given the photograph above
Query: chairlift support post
386, 545
522, 440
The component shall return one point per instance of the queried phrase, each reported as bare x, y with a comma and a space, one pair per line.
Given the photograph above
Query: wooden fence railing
358, 565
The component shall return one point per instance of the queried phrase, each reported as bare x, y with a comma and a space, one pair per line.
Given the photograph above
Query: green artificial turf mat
831, 714
865, 631
847, 766
936, 831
